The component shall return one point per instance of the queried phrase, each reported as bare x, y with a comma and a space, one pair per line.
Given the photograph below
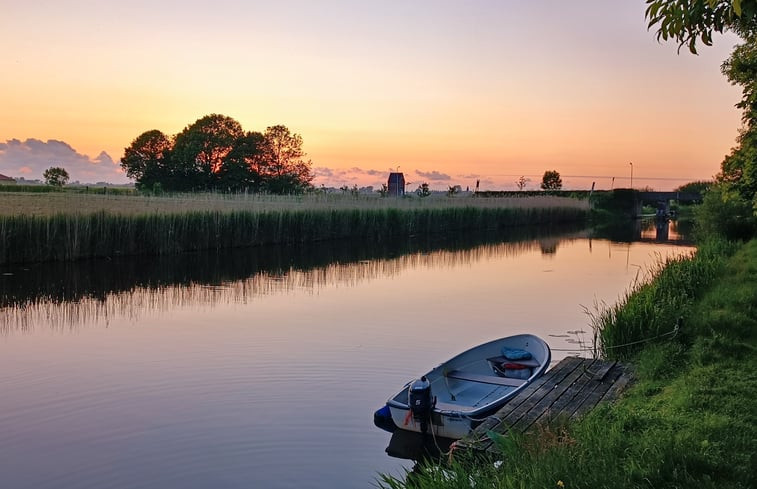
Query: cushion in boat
515, 354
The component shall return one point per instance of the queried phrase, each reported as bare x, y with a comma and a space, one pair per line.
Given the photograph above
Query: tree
201, 149
551, 180
56, 176
147, 159
281, 161
423, 190
239, 169
522, 182
698, 187
687, 21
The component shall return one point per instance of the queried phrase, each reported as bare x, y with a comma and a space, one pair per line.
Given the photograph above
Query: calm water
262, 368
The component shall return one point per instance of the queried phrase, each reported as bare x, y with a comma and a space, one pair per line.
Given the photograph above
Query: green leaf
737, 7
495, 437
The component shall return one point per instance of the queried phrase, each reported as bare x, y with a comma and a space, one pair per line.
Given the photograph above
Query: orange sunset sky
449, 91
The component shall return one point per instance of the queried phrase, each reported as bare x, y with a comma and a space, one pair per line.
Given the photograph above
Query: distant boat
456, 396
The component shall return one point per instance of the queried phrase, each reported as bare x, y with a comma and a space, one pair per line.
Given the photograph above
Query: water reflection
64, 295
676, 232
241, 363
409, 445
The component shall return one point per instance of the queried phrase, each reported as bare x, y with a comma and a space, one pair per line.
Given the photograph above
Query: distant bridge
662, 200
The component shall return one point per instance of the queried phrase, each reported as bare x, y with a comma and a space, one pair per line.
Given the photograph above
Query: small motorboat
453, 398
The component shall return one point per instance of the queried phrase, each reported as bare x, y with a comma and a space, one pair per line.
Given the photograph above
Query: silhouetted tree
551, 180
201, 149
522, 182
147, 159
215, 153
240, 170
281, 161
56, 176
699, 186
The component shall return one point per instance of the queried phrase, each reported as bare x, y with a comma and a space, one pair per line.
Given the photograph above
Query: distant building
396, 184
6, 180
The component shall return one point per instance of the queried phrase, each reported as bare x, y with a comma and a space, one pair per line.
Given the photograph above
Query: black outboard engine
421, 402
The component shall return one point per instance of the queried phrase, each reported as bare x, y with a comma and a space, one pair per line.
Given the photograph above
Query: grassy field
57, 227
690, 421
46, 204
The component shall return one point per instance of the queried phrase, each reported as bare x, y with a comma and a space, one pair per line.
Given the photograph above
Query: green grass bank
689, 421
59, 237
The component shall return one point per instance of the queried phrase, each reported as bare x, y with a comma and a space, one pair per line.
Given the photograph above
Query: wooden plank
485, 379
599, 373
546, 389
593, 397
626, 377
478, 439
572, 391
525, 398
551, 378
571, 386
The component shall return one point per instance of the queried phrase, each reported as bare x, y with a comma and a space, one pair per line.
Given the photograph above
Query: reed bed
651, 308
60, 227
63, 237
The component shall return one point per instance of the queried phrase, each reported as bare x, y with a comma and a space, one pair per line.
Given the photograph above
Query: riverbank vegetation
689, 420
60, 226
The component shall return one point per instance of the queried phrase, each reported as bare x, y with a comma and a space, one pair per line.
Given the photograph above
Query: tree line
730, 206
215, 153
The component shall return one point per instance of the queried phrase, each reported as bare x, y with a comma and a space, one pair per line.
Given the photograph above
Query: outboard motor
421, 402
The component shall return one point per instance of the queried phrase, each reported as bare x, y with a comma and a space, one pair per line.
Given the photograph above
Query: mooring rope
672, 333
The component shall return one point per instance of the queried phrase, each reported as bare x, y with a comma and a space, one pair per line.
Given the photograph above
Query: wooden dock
568, 390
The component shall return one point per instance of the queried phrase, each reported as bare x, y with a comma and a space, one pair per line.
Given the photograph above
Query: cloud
372, 173
434, 175
32, 157
336, 177
472, 175
320, 171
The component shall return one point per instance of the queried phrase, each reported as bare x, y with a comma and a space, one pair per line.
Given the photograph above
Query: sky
448, 92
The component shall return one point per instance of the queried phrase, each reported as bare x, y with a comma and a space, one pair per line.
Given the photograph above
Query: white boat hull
468, 388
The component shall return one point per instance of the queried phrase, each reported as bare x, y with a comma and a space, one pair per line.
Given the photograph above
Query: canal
263, 367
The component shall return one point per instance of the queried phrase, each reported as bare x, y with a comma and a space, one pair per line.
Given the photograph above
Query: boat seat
527, 363
485, 379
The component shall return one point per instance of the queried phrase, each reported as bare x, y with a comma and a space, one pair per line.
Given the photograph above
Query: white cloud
32, 157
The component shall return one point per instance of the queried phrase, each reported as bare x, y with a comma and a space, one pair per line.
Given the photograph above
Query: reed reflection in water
263, 369
68, 295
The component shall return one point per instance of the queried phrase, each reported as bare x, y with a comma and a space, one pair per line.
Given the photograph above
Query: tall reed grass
653, 307
59, 237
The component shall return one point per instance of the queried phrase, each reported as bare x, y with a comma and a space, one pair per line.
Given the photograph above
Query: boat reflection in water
409, 445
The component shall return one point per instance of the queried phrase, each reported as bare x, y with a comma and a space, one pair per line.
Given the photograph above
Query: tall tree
148, 158
551, 180
201, 149
56, 176
239, 171
726, 206
281, 161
